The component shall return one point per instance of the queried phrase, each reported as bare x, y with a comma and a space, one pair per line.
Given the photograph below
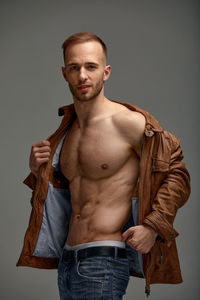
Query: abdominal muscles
100, 208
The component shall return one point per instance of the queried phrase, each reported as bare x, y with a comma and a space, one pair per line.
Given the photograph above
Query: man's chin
84, 99
85, 96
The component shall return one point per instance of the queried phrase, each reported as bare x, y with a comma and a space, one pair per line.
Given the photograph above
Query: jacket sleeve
30, 181
171, 195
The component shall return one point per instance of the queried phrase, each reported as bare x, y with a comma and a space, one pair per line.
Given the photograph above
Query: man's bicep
138, 127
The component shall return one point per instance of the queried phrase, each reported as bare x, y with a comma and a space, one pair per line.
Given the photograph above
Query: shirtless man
100, 157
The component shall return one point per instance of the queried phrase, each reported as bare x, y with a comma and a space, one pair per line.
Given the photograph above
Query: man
106, 188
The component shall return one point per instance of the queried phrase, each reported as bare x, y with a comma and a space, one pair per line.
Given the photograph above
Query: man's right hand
40, 153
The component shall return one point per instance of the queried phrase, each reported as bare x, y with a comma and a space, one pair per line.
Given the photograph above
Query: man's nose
82, 74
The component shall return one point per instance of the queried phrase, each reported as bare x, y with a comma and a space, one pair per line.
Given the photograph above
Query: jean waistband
96, 243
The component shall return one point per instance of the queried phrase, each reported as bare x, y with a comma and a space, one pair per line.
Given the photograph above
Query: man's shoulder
136, 115
150, 119
130, 124
129, 120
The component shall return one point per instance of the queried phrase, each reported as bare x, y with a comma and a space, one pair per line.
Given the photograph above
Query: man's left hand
141, 238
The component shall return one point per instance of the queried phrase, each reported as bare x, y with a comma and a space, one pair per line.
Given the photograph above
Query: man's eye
73, 67
92, 67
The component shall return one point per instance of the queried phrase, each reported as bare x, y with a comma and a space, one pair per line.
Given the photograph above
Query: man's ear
64, 73
107, 72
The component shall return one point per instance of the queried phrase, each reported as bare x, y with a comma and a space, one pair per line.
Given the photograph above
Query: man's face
85, 70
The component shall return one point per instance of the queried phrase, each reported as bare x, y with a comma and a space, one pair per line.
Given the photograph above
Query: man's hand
40, 153
140, 238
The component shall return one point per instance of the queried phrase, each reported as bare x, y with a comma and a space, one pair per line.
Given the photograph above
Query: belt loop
116, 252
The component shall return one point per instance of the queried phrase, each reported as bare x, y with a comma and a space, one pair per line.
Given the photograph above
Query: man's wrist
151, 229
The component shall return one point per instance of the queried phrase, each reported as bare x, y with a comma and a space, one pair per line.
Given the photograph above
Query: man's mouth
83, 87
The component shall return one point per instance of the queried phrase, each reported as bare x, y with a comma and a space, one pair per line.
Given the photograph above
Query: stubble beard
84, 97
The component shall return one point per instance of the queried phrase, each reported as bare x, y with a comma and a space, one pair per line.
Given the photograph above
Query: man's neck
89, 111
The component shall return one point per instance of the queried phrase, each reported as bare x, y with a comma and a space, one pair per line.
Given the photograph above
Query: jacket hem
38, 262
166, 278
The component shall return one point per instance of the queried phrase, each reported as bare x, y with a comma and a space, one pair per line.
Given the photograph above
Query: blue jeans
93, 278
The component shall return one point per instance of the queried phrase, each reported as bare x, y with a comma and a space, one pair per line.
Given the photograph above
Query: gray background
153, 47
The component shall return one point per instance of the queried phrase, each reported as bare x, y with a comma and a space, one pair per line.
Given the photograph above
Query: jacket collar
152, 125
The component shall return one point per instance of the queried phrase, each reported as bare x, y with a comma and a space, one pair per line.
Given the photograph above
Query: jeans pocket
120, 268
119, 284
92, 268
121, 275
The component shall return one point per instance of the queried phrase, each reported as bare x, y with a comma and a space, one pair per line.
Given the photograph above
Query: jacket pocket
160, 170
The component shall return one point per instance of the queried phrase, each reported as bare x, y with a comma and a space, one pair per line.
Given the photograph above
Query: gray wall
154, 52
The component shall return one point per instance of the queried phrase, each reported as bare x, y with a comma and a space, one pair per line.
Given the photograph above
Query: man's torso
102, 168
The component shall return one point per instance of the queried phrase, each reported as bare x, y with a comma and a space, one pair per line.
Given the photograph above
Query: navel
104, 166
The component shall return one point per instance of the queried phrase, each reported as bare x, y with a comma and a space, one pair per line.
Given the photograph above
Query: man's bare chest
96, 153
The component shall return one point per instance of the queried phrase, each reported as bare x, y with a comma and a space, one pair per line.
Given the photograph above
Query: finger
41, 143
138, 246
38, 163
36, 150
132, 243
127, 233
41, 160
42, 155
35, 166
41, 149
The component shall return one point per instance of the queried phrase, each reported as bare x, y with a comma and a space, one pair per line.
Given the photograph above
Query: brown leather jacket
163, 187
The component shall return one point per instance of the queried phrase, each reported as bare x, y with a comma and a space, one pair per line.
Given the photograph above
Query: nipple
104, 166
78, 216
